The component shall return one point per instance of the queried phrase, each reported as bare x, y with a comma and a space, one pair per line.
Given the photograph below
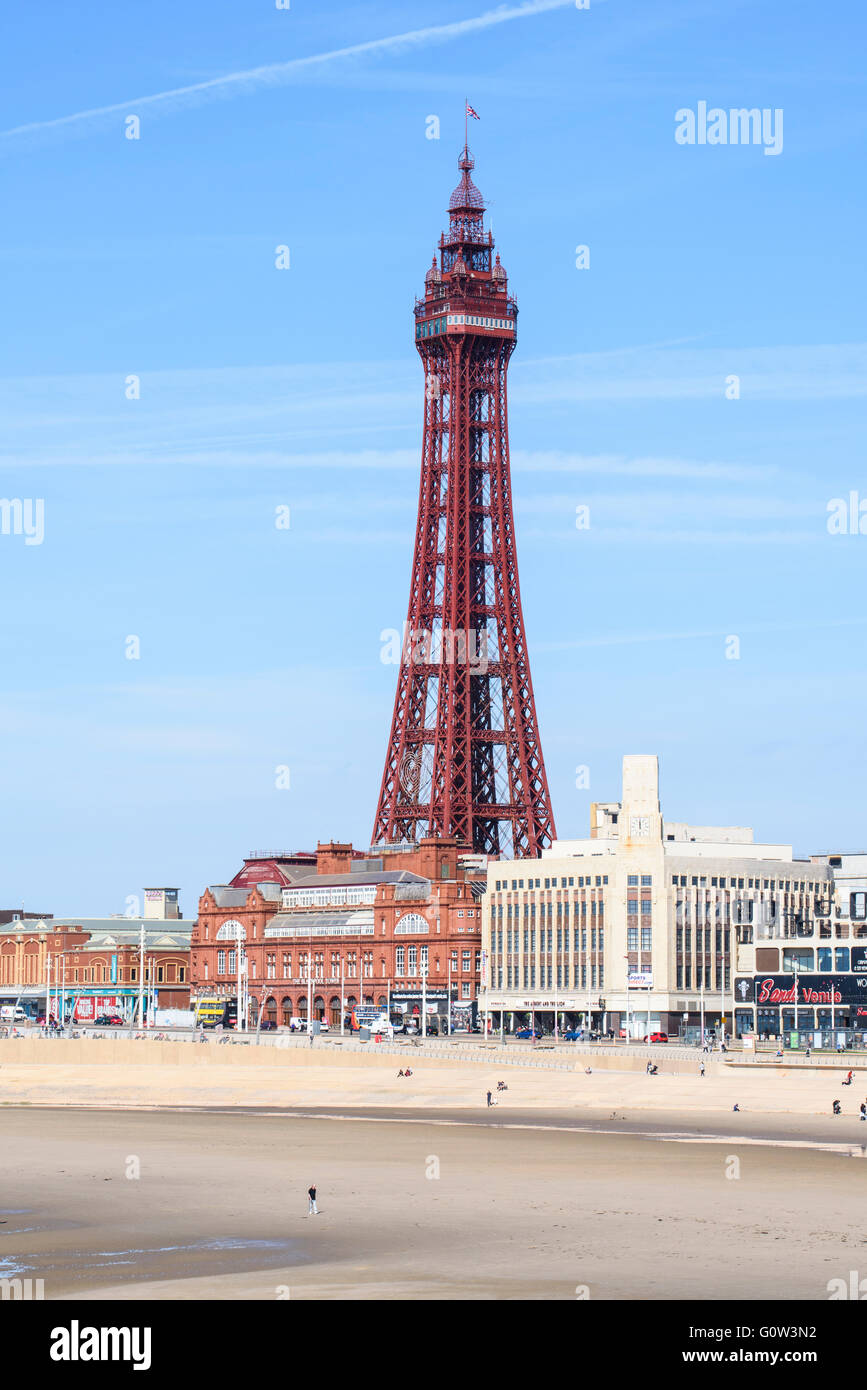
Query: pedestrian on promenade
312, 1209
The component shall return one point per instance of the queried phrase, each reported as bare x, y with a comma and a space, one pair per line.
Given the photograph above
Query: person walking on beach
312, 1209
701, 1069
489, 1098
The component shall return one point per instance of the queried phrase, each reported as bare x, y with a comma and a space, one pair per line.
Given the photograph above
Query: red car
658, 1037
108, 1021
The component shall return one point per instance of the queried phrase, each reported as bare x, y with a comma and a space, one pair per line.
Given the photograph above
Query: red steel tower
464, 757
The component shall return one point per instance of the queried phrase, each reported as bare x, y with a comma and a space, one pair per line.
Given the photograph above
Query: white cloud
278, 74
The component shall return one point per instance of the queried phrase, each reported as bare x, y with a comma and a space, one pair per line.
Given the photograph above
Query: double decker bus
216, 1013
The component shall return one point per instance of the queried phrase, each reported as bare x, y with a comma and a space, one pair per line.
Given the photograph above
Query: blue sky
260, 388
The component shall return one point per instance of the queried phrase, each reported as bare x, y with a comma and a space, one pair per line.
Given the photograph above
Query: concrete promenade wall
115, 1051
112, 1051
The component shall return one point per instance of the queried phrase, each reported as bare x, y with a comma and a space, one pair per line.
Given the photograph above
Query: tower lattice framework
464, 757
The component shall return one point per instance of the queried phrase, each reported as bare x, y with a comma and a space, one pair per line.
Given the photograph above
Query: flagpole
466, 125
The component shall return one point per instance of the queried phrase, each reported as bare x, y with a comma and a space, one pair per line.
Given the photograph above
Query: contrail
276, 73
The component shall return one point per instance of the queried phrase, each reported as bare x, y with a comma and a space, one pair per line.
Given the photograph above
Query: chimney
333, 858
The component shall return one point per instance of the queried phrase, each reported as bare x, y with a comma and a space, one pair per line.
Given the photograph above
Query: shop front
819, 1010
406, 1007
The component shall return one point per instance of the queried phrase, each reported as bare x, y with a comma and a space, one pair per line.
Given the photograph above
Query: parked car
657, 1037
412, 1030
573, 1035
528, 1033
268, 1025
108, 1021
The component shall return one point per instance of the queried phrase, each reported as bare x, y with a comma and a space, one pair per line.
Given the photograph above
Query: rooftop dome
466, 195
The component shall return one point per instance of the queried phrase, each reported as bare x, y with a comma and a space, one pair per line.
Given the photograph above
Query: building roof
229, 897
336, 923
358, 878
114, 931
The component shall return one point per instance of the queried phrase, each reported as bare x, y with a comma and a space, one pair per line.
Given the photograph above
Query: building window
646, 934
399, 959
221, 963
465, 989
632, 881
632, 938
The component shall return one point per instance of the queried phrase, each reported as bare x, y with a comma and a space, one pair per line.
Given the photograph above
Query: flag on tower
470, 112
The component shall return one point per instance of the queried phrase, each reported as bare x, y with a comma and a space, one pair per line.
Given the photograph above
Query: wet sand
493, 1206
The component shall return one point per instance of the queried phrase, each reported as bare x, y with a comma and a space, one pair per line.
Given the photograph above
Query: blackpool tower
464, 757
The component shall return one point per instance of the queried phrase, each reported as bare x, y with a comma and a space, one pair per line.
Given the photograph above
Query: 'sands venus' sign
770, 993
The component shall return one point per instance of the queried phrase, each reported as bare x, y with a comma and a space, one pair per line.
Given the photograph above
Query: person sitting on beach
501, 1086
587, 1071
401, 1072
848, 1081
836, 1107
736, 1107
407, 1072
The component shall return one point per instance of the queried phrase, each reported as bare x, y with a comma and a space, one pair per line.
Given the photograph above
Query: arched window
411, 924
231, 930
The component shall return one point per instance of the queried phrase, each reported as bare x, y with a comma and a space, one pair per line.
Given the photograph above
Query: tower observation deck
464, 757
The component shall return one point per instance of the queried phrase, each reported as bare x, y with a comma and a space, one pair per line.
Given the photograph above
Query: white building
635, 924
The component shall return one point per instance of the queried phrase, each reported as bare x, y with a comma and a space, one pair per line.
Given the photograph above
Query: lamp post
628, 1029
141, 946
424, 999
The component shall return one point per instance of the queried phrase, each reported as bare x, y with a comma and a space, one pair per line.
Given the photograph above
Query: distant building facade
324, 931
639, 924
94, 963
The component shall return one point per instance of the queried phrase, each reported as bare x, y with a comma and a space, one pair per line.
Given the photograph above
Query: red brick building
96, 961
340, 923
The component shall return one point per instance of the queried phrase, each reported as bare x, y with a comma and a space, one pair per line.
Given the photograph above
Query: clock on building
639, 827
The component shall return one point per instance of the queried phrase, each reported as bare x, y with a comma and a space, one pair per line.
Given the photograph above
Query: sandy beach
198, 1205
183, 1181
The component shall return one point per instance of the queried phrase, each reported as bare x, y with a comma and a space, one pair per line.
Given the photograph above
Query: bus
216, 1013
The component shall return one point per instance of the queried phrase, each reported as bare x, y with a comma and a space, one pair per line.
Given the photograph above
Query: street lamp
628, 1029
